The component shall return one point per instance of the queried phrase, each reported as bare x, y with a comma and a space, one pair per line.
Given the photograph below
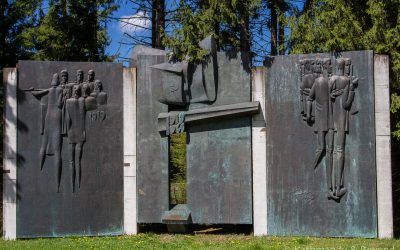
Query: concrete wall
259, 156
383, 155
10, 154
130, 205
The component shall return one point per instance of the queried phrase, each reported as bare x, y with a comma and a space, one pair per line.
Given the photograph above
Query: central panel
210, 101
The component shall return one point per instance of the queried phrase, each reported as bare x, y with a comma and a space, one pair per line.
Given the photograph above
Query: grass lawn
203, 241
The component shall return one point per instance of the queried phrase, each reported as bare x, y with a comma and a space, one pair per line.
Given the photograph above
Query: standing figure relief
326, 108
63, 113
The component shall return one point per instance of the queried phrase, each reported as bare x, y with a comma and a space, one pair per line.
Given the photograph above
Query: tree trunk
244, 34
281, 31
157, 22
273, 27
3, 7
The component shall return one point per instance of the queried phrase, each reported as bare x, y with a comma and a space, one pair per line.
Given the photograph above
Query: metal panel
219, 187
152, 147
96, 208
298, 201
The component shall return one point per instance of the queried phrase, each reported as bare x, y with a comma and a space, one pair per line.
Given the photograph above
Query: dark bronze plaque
321, 145
69, 148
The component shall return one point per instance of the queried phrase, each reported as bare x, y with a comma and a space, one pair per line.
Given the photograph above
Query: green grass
167, 241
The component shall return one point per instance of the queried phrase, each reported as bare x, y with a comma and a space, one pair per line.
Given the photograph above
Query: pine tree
228, 21
15, 16
73, 30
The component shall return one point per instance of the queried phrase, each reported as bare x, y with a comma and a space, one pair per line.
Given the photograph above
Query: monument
300, 146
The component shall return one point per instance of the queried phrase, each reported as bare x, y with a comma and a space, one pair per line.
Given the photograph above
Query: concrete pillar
130, 206
383, 154
10, 159
259, 154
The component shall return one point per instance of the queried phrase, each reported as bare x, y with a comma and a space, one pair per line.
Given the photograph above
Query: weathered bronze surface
328, 105
304, 183
211, 101
69, 148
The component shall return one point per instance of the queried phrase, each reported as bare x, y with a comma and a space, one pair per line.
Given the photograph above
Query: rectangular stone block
9, 221
259, 155
10, 153
129, 85
383, 148
9, 191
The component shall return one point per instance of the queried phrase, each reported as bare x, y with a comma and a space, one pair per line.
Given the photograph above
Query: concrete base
177, 219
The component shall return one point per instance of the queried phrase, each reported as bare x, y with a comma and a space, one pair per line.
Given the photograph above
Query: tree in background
157, 23
15, 17
228, 21
73, 30
148, 24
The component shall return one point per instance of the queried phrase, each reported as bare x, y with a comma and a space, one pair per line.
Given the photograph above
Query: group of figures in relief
326, 100
63, 113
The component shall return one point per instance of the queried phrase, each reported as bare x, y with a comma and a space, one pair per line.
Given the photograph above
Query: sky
116, 31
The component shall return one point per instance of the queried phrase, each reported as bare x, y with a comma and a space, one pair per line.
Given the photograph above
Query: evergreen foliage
73, 30
226, 20
15, 17
178, 157
339, 25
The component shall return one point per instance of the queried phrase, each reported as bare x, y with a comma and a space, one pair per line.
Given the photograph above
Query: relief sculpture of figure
309, 72
66, 94
79, 77
90, 80
52, 126
76, 114
319, 94
98, 93
343, 86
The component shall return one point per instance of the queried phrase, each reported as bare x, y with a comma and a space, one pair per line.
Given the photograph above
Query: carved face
64, 77
55, 80
327, 65
98, 87
76, 90
91, 76
347, 66
308, 66
317, 66
79, 75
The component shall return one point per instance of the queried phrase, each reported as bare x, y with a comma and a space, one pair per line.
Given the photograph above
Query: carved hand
354, 83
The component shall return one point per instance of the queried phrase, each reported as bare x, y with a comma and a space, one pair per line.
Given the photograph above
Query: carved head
318, 66
340, 66
347, 66
79, 75
308, 66
64, 76
55, 81
91, 75
85, 90
327, 65
76, 91
98, 86
302, 63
